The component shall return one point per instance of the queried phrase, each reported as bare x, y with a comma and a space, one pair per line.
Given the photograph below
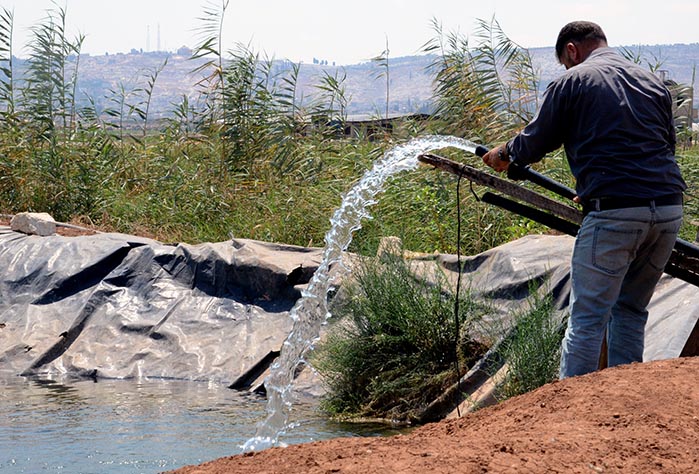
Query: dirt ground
640, 418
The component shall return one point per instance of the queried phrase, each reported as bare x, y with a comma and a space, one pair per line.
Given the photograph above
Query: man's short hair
578, 32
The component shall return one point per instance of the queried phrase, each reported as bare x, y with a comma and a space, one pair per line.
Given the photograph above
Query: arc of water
310, 311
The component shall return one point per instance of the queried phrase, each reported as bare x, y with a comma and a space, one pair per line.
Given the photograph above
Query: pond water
136, 426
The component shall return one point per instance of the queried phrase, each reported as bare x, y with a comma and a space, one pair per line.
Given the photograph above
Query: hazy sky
354, 30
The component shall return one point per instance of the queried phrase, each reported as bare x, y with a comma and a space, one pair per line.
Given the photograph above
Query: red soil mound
639, 418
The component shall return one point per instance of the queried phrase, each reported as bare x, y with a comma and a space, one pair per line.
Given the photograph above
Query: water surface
135, 426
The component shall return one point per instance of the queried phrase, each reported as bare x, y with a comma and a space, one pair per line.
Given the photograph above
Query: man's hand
497, 158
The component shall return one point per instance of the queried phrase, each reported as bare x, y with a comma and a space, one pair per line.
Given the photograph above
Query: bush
394, 347
532, 349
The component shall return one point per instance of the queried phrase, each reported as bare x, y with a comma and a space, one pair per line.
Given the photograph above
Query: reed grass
247, 156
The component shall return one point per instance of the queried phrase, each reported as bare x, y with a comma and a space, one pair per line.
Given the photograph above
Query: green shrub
394, 346
531, 348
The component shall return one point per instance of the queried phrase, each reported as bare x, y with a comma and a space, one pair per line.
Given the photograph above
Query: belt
608, 203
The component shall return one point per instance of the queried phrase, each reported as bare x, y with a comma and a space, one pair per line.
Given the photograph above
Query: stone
390, 245
34, 223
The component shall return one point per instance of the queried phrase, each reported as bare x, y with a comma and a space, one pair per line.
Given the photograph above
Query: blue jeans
618, 258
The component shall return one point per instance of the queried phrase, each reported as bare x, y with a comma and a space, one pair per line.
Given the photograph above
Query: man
615, 121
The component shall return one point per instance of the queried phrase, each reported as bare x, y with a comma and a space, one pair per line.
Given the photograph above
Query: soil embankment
636, 418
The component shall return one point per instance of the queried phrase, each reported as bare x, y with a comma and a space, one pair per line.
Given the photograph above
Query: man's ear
573, 53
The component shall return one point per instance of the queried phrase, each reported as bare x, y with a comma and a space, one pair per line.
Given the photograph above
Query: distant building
184, 51
372, 126
366, 126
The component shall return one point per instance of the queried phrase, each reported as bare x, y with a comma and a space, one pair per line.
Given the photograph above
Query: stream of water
311, 311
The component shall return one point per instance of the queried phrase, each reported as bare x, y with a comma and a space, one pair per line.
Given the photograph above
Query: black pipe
518, 172
549, 220
687, 248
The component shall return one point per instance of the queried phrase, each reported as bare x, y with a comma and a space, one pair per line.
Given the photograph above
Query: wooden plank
691, 347
504, 186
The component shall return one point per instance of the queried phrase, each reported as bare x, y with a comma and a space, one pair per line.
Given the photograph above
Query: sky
352, 31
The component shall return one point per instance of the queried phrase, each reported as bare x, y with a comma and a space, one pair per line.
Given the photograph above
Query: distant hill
410, 87
411, 83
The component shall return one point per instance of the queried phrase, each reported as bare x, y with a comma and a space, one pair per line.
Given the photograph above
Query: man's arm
542, 135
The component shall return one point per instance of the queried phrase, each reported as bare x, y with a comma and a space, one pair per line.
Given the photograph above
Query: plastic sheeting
505, 275
112, 305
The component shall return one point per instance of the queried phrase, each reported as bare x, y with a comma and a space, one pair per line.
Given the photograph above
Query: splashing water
310, 311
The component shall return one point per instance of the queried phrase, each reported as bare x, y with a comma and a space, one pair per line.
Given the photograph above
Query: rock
389, 246
34, 223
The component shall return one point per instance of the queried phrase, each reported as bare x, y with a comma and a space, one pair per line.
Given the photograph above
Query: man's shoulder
607, 56
604, 61
604, 56
597, 67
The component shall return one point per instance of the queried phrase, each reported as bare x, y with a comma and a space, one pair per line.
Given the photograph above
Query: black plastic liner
119, 306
